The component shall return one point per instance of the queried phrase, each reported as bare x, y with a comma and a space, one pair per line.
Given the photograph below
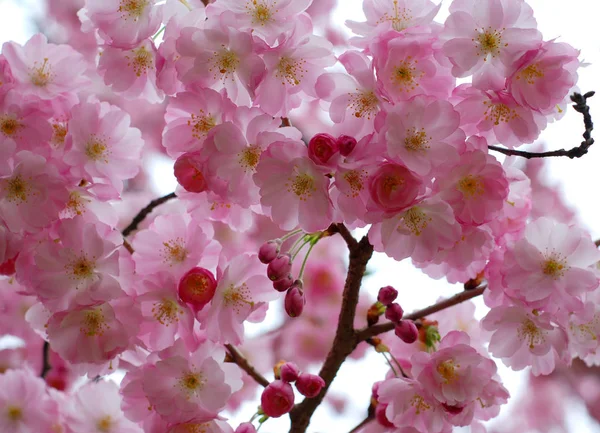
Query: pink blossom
189, 118
25, 405
189, 385
476, 188
419, 232
583, 329
103, 147
6, 78
423, 134
94, 334
409, 404
293, 66
189, 170
96, 407
498, 117
543, 77
49, 72
122, 23
397, 15
165, 316
174, 243
131, 72
267, 19
242, 289
293, 188
552, 263
81, 266
523, 338
392, 189
32, 194
407, 66
485, 38
220, 57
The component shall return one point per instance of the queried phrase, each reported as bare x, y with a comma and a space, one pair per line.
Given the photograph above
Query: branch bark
580, 105
245, 365
345, 338
145, 212
45, 360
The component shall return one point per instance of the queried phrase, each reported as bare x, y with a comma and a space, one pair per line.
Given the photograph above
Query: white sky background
573, 21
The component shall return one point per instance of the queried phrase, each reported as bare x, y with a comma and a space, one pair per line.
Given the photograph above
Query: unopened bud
284, 283
295, 300
289, 372
197, 287
322, 147
269, 250
245, 427
387, 295
394, 313
277, 399
188, 170
346, 144
309, 385
407, 331
279, 267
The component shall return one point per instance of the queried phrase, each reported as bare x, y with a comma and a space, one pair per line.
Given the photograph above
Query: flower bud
279, 267
407, 331
245, 427
284, 283
197, 287
346, 144
188, 171
289, 372
277, 399
381, 417
295, 300
309, 385
269, 251
394, 312
322, 147
387, 295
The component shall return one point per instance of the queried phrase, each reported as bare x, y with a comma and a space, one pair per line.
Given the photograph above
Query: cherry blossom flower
242, 289
293, 187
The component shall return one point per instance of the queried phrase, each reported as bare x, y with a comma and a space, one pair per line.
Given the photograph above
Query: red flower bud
309, 385
289, 372
387, 295
284, 283
277, 399
188, 171
407, 331
295, 300
394, 313
346, 144
197, 287
322, 147
279, 267
269, 251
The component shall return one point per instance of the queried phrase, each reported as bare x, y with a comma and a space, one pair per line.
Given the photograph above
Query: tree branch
45, 360
236, 357
363, 423
365, 333
580, 105
145, 212
345, 337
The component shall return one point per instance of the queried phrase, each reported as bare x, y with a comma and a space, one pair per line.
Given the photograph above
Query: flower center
18, 190
471, 186
498, 113
406, 74
41, 76
82, 268
290, 70
355, 180
76, 204
419, 403
530, 332
191, 383
416, 140
9, 126
238, 297
225, 62
302, 185
530, 73
165, 311
259, 11
554, 265
104, 424
142, 60
96, 149
391, 183
201, 124
94, 323
400, 17
447, 370
174, 251
249, 157
133, 8
489, 41
363, 103
415, 220
14, 413
58, 134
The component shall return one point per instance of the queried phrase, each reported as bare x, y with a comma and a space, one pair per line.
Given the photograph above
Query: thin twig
45, 360
365, 333
580, 105
244, 364
285, 121
145, 212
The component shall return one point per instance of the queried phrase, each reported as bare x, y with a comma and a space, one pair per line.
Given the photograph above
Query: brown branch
235, 356
363, 423
365, 333
145, 212
580, 105
344, 233
345, 337
45, 360
285, 121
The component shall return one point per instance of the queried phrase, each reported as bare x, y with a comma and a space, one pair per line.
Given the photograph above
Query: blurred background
574, 22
